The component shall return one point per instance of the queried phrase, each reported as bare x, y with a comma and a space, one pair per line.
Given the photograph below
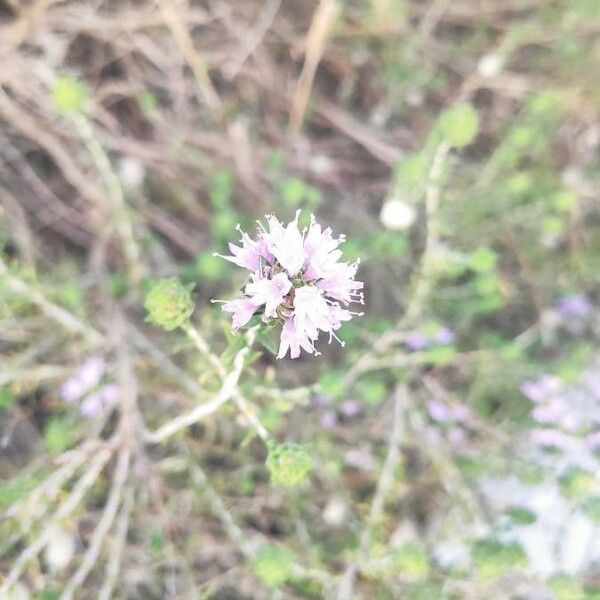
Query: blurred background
455, 438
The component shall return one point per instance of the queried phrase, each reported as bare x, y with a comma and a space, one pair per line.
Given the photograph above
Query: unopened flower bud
273, 565
169, 303
289, 464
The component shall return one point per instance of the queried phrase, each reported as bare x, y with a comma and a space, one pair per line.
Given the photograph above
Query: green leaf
13, 491
157, 541
439, 355
591, 508
220, 190
330, 383
576, 483
411, 560
223, 224
521, 516
268, 337
6, 398
210, 267
493, 558
59, 434
483, 260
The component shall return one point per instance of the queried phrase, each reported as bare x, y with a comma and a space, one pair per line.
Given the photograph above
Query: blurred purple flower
361, 458
329, 419
552, 412
351, 408
415, 340
551, 438
320, 400
460, 412
593, 441
542, 388
592, 384
91, 406
437, 411
457, 437
574, 306
444, 336
100, 402
87, 376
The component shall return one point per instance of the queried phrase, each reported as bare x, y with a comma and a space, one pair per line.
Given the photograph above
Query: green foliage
483, 260
59, 434
295, 192
48, 593
521, 516
372, 390
14, 490
492, 558
566, 588
268, 337
6, 398
157, 541
576, 483
273, 565
459, 125
70, 95
330, 383
221, 189
288, 464
169, 303
410, 560
591, 507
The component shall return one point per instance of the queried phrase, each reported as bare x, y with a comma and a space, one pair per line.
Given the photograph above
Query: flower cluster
297, 280
84, 386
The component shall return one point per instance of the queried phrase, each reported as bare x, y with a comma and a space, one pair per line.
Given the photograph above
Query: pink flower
248, 255
270, 292
242, 310
311, 311
297, 281
293, 339
286, 244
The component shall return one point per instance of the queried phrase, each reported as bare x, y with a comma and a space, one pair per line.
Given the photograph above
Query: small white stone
490, 65
397, 215
60, 549
132, 172
320, 164
335, 512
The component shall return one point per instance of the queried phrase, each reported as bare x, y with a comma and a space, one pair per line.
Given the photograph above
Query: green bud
70, 95
273, 565
169, 303
459, 125
289, 464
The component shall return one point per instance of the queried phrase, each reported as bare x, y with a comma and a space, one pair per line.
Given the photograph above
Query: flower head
85, 378
169, 303
297, 280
